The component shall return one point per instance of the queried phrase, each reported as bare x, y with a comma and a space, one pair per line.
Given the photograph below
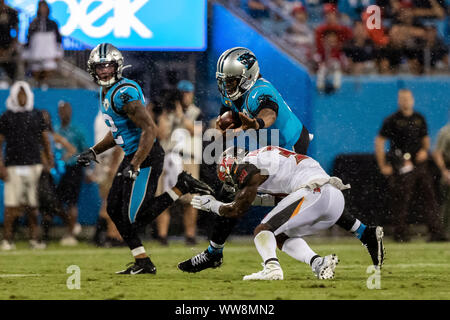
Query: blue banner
128, 24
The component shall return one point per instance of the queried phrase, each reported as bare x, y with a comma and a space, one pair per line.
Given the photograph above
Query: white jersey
287, 170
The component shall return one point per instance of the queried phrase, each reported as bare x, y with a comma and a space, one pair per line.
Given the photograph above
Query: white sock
355, 225
298, 249
266, 244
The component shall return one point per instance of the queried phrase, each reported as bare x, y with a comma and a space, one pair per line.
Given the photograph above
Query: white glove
206, 203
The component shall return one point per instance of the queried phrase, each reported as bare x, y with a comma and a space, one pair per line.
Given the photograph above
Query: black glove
85, 158
130, 172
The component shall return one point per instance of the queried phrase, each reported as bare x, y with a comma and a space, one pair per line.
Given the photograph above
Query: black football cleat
201, 261
188, 184
372, 239
141, 266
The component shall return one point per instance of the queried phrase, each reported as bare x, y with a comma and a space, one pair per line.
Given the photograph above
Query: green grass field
416, 270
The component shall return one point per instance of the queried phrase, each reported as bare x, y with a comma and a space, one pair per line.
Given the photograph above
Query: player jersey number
282, 152
110, 123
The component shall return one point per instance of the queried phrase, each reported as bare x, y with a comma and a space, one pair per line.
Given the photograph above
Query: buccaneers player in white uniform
313, 201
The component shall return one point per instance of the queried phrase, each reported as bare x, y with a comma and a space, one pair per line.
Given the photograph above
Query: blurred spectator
406, 167
69, 186
330, 39
181, 153
106, 234
352, 9
49, 203
299, 35
430, 9
436, 51
360, 49
257, 10
24, 131
43, 47
442, 158
9, 29
406, 41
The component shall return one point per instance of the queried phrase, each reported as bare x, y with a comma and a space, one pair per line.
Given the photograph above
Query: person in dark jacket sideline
24, 132
43, 48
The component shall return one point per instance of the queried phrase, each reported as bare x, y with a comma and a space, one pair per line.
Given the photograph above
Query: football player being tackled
313, 202
254, 104
131, 203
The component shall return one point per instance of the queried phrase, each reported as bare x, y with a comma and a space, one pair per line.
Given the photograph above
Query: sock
266, 244
215, 248
358, 229
298, 249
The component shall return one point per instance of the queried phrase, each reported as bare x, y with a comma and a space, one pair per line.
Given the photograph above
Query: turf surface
416, 270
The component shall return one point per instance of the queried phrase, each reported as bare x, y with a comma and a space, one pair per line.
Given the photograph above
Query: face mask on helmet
105, 71
224, 169
105, 64
229, 86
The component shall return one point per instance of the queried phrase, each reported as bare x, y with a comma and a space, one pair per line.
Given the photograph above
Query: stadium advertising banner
128, 24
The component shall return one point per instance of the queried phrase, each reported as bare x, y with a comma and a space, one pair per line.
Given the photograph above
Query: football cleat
7, 245
37, 245
141, 266
324, 267
201, 261
188, 184
372, 239
271, 271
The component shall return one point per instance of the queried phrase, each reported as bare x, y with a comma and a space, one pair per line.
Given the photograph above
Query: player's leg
370, 236
297, 248
303, 212
266, 245
128, 231
222, 227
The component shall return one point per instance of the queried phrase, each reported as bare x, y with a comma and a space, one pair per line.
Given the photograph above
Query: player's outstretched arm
137, 113
105, 144
244, 198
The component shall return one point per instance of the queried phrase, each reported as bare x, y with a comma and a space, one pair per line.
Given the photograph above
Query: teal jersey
261, 94
124, 131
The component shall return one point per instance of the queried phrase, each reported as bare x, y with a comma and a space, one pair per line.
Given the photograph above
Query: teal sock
214, 250
360, 231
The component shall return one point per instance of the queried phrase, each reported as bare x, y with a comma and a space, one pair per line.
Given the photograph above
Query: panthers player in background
313, 202
131, 203
256, 104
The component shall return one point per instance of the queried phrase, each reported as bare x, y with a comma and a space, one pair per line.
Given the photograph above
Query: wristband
261, 123
215, 206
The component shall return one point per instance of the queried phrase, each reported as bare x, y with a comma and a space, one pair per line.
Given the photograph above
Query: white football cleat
68, 241
7, 245
36, 245
271, 271
324, 267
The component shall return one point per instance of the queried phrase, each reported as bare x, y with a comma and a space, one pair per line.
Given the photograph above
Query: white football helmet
237, 71
102, 54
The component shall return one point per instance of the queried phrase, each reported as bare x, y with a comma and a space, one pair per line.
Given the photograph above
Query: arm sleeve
261, 98
122, 96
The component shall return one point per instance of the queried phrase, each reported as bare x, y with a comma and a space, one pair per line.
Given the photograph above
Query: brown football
226, 119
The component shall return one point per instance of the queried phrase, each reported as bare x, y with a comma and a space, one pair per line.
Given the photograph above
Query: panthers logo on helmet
247, 59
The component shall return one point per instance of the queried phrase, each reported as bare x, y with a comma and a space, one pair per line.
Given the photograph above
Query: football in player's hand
226, 120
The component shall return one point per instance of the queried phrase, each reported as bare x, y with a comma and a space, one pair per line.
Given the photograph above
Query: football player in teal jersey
131, 203
255, 104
